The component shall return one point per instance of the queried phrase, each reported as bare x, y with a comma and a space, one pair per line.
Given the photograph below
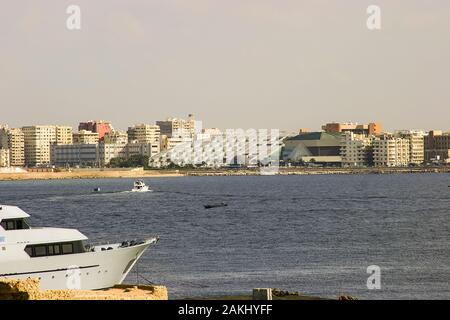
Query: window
67, 248
40, 251
19, 225
29, 251
52, 249
14, 224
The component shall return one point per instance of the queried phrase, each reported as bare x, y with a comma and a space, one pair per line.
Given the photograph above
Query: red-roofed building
99, 126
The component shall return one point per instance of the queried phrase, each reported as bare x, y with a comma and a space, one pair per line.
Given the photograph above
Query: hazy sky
233, 63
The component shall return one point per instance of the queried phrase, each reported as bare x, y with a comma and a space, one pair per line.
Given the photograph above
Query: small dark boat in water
96, 189
217, 205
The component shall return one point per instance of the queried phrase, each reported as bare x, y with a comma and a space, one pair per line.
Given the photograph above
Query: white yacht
139, 186
59, 258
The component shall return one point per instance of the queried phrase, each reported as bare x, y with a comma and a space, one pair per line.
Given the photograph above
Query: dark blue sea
314, 234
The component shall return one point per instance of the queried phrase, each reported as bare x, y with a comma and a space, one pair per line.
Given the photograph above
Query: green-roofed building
317, 147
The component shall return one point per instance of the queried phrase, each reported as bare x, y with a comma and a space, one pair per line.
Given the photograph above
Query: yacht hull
84, 271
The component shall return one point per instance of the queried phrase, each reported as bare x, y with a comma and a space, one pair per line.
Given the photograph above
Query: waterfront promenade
88, 174
140, 173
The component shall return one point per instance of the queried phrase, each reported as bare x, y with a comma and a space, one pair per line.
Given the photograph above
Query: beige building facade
108, 151
85, 137
144, 133
4, 158
416, 145
13, 139
356, 150
179, 127
37, 144
64, 135
116, 136
391, 151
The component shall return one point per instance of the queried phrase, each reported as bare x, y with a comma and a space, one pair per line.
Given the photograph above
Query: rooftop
315, 136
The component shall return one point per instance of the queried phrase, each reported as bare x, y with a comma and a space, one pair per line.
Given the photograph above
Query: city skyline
257, 64
299, 129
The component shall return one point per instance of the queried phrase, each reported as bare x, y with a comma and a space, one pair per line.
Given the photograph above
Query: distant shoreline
163, 173
91, 174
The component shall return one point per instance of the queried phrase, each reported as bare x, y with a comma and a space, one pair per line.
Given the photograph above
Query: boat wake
141, 191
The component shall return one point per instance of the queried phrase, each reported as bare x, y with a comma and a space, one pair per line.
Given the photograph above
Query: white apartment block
4, 158
13, 139
355, 150
144, 133
391, 151
416, 145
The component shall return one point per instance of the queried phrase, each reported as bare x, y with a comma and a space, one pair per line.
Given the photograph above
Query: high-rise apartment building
37, 142
144, 133
416, 145
179, 127
13, 140
116, 137
391, 151
4, 158
437, 146
356, 150
64, 135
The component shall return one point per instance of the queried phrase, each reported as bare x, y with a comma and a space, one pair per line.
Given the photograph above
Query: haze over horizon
233, 64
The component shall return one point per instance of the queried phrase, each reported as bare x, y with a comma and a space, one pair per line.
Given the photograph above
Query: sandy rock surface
11, 289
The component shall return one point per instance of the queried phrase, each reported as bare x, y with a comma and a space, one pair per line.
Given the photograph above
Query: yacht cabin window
53, 249
14, 224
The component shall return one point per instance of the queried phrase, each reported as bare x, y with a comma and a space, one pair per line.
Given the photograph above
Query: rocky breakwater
11, 289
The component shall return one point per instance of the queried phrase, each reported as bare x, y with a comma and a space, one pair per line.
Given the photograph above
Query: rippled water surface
313, 234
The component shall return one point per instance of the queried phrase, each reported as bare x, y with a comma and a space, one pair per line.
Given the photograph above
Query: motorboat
139, 186
215, 205
60, 258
